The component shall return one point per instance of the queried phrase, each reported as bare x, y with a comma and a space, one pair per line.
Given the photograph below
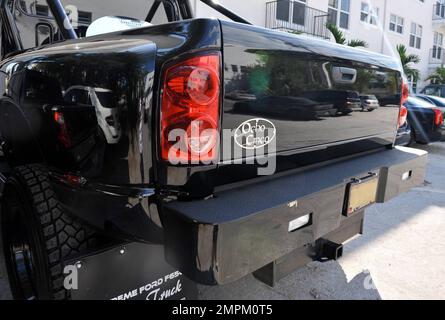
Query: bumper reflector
299, 222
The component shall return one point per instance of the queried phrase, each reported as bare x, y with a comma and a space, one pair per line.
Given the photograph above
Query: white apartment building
383, 24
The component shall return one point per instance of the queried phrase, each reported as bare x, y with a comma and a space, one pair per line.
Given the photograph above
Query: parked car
183, 191
345, 101
403, 137
286, 107
426, 121
437, 90
437, 101
369, 102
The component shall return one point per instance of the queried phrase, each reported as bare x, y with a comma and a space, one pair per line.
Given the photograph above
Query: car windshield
432, 91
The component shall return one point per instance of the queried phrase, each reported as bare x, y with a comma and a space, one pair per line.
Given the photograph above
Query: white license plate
361, 194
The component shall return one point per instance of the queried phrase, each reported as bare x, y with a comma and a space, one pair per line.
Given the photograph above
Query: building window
439, 9
22, 4
283, 10
85, 17
369, 14
415, 39
375, 16
437, 46
396, 24
299, 12
296, 8
42, 10
338, 11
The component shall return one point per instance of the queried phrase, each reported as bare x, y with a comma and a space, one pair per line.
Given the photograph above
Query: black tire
34, 222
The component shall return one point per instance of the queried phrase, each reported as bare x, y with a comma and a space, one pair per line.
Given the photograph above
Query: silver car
369, 102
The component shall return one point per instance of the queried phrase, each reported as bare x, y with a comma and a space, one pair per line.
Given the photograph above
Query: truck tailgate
307, 89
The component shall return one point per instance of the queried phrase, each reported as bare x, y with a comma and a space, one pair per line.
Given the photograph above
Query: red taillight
438, 117
403, 112
63, 135
403, 115
73, 180
405, 93
190, 110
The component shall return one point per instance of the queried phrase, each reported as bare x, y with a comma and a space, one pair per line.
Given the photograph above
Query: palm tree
357, 43
340, 37
438, 77
297, 32
407, 60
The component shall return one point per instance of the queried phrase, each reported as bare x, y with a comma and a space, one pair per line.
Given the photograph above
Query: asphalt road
400, 256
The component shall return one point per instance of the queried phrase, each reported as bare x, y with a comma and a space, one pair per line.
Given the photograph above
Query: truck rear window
37, 26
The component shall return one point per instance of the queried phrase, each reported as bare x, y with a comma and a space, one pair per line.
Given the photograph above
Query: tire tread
64, 235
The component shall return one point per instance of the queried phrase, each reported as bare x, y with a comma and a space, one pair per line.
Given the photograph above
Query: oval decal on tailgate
255, 133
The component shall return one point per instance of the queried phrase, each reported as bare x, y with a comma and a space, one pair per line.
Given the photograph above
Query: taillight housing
403, 116
405, 93
403, 112
63, 135
438, 117
190, 114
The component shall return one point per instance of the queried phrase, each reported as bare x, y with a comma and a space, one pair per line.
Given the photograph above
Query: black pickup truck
125, 153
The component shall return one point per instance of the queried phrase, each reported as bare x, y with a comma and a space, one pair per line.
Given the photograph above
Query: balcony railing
439, 12
437, 56
296, 17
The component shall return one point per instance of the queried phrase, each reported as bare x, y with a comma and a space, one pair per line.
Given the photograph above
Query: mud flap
133, 271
